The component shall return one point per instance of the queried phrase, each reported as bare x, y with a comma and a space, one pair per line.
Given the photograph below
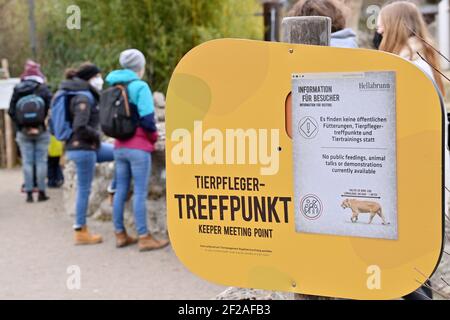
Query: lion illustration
357, 207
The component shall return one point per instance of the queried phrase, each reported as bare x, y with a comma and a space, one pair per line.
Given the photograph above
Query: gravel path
36, 251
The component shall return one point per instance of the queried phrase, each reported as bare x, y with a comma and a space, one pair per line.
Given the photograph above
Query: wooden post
11, 152
5, 69
2, 140
307, 30
10, 144
312, 31
32, 26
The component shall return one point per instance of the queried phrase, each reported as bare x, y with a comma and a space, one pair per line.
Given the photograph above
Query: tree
163, 30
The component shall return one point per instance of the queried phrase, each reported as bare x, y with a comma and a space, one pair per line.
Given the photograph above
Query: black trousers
55, 174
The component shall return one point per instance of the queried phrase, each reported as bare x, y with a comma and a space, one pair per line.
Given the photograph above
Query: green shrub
164, 30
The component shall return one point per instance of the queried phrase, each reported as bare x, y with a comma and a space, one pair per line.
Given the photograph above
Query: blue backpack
60, 121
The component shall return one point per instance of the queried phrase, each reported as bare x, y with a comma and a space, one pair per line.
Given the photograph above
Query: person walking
133, 156
28, 109
83, 146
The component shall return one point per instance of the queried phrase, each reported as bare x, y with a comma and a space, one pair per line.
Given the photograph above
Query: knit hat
32, 69
132, 59
87, 71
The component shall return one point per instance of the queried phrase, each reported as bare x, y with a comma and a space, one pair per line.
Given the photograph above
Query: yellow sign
232, 213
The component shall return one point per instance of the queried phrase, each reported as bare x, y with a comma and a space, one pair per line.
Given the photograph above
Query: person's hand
33, 131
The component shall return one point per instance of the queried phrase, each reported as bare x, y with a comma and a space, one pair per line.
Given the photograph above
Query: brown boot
123, 239
147, 243
83, 237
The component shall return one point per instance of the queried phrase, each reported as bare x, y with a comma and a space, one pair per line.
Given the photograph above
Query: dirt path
36, 250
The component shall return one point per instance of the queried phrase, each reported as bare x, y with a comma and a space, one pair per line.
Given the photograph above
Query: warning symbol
308, 127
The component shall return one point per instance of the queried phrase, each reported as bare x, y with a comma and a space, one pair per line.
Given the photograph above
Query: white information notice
345, 168
6, 91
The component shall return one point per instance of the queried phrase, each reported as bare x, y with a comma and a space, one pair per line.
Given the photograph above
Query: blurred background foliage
163, 29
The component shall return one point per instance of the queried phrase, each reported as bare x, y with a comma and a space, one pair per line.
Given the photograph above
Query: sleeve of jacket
146, 109
12, 105
81, 111
47, 96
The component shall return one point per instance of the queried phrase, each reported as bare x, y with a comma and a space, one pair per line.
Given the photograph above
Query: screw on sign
311, 207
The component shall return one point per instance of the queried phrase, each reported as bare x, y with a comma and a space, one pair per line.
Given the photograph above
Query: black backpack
30, 111
118, 117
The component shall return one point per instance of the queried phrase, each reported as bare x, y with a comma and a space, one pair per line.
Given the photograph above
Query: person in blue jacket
133, 156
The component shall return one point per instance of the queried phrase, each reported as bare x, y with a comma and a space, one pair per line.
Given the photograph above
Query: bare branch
434, 67
445, 281
443, 295
421, 273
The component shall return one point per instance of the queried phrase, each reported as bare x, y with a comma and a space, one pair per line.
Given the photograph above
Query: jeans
136, 164
85, 161
34, 152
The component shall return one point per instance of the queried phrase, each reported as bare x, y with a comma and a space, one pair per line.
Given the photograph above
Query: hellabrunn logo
374, 86
229, 146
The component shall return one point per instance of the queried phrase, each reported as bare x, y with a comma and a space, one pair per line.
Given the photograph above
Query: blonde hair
402, 20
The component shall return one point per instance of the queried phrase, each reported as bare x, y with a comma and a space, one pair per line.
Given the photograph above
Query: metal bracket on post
272, 15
